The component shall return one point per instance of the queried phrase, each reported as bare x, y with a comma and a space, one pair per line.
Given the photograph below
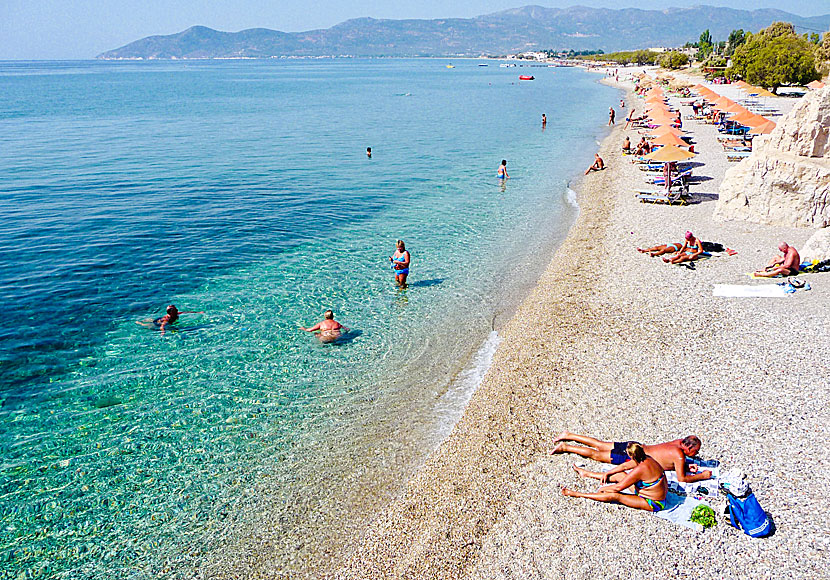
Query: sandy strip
620, 345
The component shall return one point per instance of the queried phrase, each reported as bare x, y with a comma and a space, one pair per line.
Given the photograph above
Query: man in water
670, 455
788, 264
329, 329
544, 121
169, 318
369, 152
502, 171
598, 165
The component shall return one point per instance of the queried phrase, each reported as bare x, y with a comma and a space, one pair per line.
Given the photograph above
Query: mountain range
516, 30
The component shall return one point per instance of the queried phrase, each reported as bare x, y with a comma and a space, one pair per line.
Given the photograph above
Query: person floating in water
369, 152
169, 318
400, 263
544, 121
502, 172
329, 329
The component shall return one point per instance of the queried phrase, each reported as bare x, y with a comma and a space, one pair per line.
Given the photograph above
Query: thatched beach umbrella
664, 129
669, 153
763, 129
669, 139
815, 85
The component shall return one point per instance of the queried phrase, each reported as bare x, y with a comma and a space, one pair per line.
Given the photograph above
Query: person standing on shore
400, 263
611, 115
502, 171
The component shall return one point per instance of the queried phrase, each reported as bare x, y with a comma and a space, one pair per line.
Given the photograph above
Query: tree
673, 60
823, 54
774, 57
736, 39
705, 45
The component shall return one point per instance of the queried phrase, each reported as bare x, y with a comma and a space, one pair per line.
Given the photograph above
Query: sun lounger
661, 196
737, 155
735, 148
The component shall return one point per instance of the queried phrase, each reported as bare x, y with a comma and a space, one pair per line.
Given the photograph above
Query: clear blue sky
78, 29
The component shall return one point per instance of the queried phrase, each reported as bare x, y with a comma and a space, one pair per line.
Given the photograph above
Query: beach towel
744, 291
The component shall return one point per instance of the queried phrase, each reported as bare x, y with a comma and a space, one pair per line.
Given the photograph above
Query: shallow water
242, 189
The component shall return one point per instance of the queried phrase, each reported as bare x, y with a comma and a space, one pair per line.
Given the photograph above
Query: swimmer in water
369, 152
329, 329
544, 121
169, 318
400, 263
502, 172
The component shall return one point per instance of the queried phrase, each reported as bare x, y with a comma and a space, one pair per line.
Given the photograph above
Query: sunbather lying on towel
661, 249
646, 476
692, 250
670, 455
786, 265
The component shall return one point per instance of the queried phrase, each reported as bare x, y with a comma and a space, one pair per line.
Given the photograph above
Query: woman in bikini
692, 250
661, 249
400, 263
647, 479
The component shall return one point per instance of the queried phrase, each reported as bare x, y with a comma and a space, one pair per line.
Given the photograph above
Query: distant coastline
530, 28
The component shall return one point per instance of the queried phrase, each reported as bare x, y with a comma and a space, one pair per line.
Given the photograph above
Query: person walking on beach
171, 317
670, 455
400, 263
647, 477
502, 171
598, 165
788, 264
611, 115
329, 329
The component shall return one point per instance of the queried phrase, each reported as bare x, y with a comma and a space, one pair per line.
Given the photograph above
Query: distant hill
509, 31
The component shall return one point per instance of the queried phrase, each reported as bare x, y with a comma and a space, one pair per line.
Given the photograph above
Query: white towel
745, 291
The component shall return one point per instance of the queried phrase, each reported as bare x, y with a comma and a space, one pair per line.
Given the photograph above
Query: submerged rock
786, 179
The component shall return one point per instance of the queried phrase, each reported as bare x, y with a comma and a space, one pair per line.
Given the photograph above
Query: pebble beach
622, 346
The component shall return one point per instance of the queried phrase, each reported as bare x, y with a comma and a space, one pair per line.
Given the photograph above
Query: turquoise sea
242, 189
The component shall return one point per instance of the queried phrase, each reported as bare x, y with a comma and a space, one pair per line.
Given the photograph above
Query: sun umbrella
669, 153
763, 129
748, 118
761, 92
669, 139
664, 129
815, 85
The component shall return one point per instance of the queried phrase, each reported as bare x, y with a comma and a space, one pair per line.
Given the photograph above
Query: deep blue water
242, 189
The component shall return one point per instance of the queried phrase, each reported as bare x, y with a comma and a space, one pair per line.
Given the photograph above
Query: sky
82, 29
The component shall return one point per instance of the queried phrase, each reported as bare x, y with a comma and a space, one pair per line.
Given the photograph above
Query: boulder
785, 181
817, 247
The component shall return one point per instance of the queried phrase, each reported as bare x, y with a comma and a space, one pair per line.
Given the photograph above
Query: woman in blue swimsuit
400, 263
648, 480
661, 249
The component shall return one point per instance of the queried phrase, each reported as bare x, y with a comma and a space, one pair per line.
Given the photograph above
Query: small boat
527, 78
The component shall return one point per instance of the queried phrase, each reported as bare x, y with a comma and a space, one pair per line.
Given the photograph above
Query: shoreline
618, 345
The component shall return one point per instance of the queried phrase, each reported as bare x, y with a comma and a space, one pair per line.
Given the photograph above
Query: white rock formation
786, 179
817, 247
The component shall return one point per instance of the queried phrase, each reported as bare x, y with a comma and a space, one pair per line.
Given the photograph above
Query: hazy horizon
40, 30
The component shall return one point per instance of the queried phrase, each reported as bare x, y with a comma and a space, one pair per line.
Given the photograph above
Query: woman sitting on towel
692, 250
647, 479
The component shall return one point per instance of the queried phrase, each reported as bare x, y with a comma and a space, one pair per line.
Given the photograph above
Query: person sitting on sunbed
598, 165
692, 250
661, 249
647, 478
787, 264
671, 455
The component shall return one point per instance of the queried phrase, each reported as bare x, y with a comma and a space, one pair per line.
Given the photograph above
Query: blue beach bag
746, 514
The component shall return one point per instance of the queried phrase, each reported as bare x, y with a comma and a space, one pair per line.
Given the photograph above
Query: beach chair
737, 155
680, 179
670, 198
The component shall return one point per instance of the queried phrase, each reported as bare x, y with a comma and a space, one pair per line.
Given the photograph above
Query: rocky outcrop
817, 247
786, 179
